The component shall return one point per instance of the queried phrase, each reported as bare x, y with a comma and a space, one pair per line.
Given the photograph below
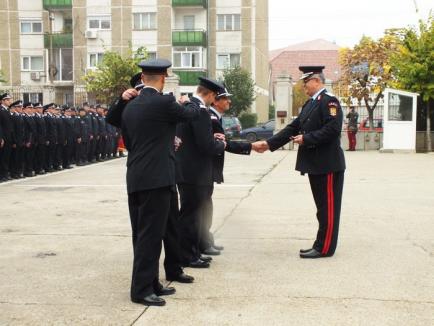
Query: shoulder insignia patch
213, 117
333, 110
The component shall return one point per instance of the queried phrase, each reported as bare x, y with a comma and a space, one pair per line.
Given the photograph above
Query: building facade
47, 46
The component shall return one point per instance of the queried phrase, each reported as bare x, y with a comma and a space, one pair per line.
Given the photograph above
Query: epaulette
213, 117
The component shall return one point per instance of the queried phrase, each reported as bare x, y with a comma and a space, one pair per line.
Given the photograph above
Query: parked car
378, 125
261, 131
232, 127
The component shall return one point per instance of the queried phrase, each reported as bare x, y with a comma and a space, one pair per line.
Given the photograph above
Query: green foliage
414, 62
414, 65
248, 120
271, 112
240, 83
2, 77
113, 74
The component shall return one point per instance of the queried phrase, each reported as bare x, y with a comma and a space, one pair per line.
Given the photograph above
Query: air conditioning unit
91, 34
35, 76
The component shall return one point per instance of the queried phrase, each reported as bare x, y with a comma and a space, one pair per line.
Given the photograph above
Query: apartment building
48, 45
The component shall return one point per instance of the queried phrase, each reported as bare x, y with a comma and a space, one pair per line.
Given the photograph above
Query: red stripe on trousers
330, 214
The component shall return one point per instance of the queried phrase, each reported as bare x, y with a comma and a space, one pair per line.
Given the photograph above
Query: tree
414, 65
299, 97
113, 74
240, 83
366, 70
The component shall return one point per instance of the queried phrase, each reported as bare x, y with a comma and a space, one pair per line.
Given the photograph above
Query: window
152, 55
229, 22
33, 97
187, 57
145, 21
230, 60
30, 63
94, 59
31, 27
99, 22
63, 62
189, 23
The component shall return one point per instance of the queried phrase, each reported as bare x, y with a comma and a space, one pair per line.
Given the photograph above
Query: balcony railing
189, 38
190, 3
188, 77
59, 40
57, 4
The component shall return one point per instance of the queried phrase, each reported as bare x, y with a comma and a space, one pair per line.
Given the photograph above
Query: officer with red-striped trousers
317, 131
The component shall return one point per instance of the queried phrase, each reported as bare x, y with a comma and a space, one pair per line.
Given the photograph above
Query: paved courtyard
66, 251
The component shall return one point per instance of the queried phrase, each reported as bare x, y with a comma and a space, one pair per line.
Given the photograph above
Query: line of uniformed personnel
36, 139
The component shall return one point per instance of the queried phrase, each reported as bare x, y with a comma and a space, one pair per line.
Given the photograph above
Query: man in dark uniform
29, 139
17, 154
7, 137
84, 135
52, 139
61, 139
195, 177
149, 127
41, 139
317, 131
102, 133
75, 154
70, 138
221, 104
93, 142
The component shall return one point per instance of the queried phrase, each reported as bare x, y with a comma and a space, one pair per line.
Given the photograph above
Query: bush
248, 120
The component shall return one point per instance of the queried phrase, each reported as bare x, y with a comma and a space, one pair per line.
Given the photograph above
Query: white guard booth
399, 128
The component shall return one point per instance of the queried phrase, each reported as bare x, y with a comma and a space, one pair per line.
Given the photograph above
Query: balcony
60, 40
57, 4
189, 38
189, 78
190, 3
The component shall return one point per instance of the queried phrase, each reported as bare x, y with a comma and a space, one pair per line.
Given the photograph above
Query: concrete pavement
66, 249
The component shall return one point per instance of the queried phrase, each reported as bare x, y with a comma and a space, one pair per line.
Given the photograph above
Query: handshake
260, 146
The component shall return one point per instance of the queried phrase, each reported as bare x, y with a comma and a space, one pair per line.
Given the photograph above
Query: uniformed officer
52, 137
29, 139
68, 123
17, 154
149, 126
221, 104
195, 177
7, 136
41, 139
102, 134
317, 130
84, 135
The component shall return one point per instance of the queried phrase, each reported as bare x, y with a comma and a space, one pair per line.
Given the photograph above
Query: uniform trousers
352, 140
39, 157
5, 155
327, 194
29, 154
192, 214
17, 161
149, 212
206, 237
51, 156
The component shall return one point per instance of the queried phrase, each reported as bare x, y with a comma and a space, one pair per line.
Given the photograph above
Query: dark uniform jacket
95, 125
77, 127
68, 123
243, 148
18, 128
84, 129
149, 128
102, 129
29, 130
41, 129
51, 126
61, 131
114, 114
6, 125
320, 123
198, 149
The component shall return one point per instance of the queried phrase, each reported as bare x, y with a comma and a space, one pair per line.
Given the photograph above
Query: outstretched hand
260, 146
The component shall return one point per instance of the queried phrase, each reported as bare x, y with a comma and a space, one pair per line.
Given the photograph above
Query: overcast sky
340, 21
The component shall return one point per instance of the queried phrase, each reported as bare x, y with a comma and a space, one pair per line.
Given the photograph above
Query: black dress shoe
312, 253
211, 251
181, 278
305, 250
206, 258
218, 247
150, 300
198, 264
165, 291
